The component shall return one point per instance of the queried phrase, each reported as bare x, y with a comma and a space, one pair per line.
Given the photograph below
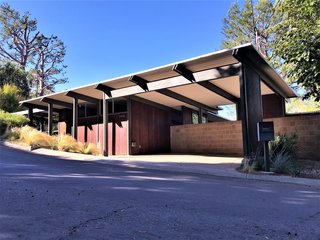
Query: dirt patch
309, 169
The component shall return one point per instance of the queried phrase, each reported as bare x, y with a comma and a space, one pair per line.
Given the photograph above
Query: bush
9, 96
283, 152
8, 120
14, 134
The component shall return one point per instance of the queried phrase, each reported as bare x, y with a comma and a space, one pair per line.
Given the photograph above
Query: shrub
8, 120
13, 134
284, 143
283, 152
9, 96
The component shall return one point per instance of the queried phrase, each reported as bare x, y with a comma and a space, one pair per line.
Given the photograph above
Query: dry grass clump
63, 142
67, 143
35, 138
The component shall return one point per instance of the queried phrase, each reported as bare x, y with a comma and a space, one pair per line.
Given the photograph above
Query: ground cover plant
37, 139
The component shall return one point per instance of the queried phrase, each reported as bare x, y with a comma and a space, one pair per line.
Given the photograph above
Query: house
146, 112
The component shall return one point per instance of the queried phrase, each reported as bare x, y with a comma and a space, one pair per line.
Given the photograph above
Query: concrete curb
174, 167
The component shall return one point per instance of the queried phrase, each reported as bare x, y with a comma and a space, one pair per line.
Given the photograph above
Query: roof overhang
215, 71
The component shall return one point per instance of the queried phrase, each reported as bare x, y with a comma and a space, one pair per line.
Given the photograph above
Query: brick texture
225, 138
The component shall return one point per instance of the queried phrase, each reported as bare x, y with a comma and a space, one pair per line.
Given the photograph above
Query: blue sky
106, 39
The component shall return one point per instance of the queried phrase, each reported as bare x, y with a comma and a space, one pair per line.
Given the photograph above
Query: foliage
241, 26
283, 163
284, 143
9, 96
66, 143
48, 64
18, 36
35, 138
283, 151
13, 134
23, 44
297, 105
11, 74
298, 45
11, 120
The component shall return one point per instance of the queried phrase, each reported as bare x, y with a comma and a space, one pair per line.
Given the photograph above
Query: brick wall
222, 138
225, 138
307, 126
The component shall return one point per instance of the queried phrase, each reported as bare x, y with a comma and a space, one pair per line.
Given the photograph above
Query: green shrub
283, 152
9, 98
8, 120
284, 143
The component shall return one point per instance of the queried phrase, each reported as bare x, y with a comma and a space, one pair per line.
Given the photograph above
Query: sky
106, 39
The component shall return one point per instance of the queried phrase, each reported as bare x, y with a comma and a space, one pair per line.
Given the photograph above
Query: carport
147, 103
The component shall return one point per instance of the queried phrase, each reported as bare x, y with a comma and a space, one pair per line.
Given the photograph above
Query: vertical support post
266, 156
98, 117
251, 108
105, 125
200, 116
50, 118
75, 118
30, 116
129, 125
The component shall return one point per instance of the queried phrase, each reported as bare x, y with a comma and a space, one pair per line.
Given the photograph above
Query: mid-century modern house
145, 112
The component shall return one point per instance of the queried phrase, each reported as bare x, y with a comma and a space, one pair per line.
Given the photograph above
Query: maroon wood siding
150, 129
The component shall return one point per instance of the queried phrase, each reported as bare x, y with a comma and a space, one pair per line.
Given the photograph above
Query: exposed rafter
210, 86
106, 89
184, 99
56, 102
140, 82
183, 71
31, 105
82, 97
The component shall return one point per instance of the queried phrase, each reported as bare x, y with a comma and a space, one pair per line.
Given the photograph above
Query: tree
299, 43
18, 36
253, 23
50, 52
42, 56
9, 96
11, 74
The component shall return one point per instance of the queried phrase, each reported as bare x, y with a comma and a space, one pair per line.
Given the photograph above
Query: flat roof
205, 68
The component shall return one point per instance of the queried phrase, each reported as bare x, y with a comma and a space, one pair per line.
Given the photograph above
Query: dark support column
50, 108
98, 116
251, 108
75, 118
105, 125
129, 125
200, 115
30, 116
238, 111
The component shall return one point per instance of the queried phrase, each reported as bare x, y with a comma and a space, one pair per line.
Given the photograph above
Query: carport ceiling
219, 68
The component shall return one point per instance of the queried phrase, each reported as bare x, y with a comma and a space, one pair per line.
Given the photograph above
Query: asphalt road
50, 198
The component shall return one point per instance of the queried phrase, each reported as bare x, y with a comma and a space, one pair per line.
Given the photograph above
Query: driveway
45, 197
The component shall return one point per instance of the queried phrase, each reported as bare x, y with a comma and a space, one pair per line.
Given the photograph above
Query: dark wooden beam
106, 89
28, 105
184, 99
50, 118
105, 125
140, 82
75, 118
82, 97
183, 71
30, 116
251, 108
210, 86
56, 102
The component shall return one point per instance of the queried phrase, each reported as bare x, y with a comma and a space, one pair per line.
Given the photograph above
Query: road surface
50, 198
